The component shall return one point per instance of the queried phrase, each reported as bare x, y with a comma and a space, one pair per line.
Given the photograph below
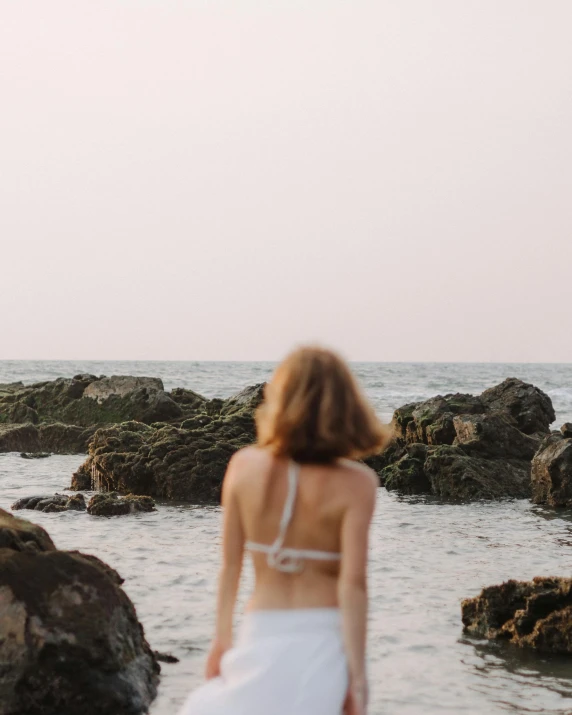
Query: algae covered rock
465, 447
531, 614
19, 438
61, 415
185, 463
53, 503
70, 641
529, 407
552, 472
111, 504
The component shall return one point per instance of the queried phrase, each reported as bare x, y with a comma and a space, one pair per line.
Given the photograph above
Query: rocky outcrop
70, 641
56, 437
462, 447
119, 386
54, 503
111, 504
62, 415
185, 463
527, 406
35, 455
552, 472
531, 614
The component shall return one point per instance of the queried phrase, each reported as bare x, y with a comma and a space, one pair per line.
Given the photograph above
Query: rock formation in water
62, 415
185, 463
70, 641
531, 614
552, 470
53, 503
461, 447
112, 504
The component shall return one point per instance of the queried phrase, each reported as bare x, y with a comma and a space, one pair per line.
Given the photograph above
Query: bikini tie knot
284, 562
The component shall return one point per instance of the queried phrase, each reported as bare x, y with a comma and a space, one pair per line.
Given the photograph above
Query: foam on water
425, 556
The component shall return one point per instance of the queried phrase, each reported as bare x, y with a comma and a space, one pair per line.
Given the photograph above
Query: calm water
425, 556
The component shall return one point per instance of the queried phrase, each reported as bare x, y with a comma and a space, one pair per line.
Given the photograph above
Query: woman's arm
229, 576
352, 584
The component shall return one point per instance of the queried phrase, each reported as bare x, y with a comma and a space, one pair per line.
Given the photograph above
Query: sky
222, 180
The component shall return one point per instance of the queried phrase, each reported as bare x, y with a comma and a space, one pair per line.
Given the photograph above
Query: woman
300, 504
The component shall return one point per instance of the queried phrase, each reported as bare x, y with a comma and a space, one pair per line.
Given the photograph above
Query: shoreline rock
61, 415
53, 503
462, 447
533, 614
112, 504
552, 472
185, 463
70, 640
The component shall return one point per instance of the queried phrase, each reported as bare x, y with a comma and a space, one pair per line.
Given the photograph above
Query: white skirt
285, 662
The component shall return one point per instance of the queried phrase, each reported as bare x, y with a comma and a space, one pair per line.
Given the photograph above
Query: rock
35, 455
81, 480
566, 429
531, 614
68, 411
111, 504
407, 475
165, 657
552, 472
56, 438
120, 386
54, 503
493, 436
431, 422
529, 407
461, 447
63, 438
70, 641
247, 400
457, 476
23, 536
19, 438
21, 413
185, 463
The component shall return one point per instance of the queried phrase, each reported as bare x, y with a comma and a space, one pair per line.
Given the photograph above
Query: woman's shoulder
248, 460
361, 482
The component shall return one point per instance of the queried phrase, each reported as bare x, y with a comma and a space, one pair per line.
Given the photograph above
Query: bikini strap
276, 557
288, 510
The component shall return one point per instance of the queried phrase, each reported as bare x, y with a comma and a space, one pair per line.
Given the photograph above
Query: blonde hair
314, 411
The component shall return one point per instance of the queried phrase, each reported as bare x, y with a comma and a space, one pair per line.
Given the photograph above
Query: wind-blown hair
313, 411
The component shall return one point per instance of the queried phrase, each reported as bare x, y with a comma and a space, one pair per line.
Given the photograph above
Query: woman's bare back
323, 495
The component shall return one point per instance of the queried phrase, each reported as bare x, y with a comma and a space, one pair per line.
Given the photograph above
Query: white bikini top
284, 559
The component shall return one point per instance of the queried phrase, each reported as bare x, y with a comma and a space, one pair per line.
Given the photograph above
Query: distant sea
425, 556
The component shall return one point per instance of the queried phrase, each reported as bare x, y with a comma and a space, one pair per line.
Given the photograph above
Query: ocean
425, 556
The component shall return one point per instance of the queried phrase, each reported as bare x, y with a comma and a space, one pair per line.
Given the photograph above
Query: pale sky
226, 179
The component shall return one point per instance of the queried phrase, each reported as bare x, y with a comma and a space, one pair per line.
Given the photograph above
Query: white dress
284, 662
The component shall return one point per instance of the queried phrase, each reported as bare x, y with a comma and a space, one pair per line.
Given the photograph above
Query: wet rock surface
35, 455
61, 415
531, 614
112, 504
552, 472
566, 429
185, 462
53, 503
70, 641
465, 447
